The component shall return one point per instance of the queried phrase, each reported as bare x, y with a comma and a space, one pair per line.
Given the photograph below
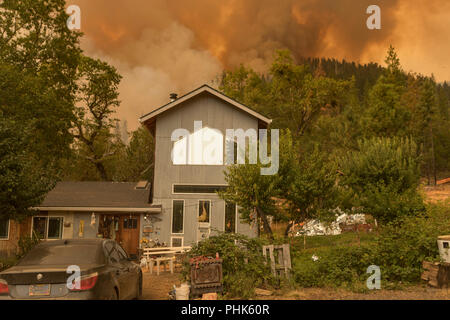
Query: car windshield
69, 254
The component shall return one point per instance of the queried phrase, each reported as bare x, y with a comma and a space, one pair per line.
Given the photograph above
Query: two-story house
179, 207
186, 190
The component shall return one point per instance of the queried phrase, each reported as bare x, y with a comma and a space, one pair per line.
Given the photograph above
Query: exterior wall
89, 231
9, 247
17, 229
216, 114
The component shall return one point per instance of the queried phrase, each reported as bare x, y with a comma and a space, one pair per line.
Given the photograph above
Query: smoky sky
163, 46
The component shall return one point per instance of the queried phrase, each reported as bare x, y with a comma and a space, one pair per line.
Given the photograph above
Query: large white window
48, 227
177, 216
4, 229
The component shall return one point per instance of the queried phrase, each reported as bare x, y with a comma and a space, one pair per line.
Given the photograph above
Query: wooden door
129, 233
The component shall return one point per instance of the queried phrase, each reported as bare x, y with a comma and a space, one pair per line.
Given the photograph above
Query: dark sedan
77, 269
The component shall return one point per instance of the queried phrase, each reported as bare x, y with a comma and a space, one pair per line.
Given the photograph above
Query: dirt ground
158, 287
438, 193
414, 293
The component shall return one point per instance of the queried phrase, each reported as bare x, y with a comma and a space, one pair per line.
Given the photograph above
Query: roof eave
197, 91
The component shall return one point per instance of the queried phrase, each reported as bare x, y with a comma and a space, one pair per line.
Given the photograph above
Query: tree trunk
102, 171
433, 156
266, 224
288, 228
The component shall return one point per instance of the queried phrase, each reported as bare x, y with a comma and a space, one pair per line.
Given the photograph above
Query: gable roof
214, 92
98, 196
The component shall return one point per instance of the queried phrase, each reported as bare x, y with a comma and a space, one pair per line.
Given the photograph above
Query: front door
129, 233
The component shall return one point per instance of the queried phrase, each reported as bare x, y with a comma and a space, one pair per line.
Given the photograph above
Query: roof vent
141, 185
173, 96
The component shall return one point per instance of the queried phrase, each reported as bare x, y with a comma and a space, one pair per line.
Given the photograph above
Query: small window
204, 207
130, 223
4, 229
48, 227
54, 228
206, 189
230, 217
177, 216
40, 227
177, 242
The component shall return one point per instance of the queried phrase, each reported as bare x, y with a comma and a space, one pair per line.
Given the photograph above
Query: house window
130, 223
48, 227
188, 188
230, 217
177, 242
4, 229
178, 216
204, 207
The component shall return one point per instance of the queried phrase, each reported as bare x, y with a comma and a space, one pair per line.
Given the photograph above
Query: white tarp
315, 227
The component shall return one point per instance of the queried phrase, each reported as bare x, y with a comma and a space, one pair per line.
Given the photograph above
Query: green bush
26, 244
405, 243
399, 251
243, 264
335, 267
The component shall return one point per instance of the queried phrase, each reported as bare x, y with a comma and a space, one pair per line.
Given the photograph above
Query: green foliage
404, 244
98, 94
135, 161
27, 243
38, 62
243, 263
399, 251
6, 263
382, 177
23, 182
253, 192
335, 267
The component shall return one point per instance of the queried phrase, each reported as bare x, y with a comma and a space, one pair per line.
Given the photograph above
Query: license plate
39, 290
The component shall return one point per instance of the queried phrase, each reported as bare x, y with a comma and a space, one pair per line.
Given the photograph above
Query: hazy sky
163, 46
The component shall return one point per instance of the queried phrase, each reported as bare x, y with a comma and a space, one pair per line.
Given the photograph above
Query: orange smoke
162, 46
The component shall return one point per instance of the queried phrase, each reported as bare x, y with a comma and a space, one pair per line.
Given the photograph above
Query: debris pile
342, 223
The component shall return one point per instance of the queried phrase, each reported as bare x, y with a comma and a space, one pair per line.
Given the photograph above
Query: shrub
399, 251
335, 267
382, 177
404, 244
26, 244
243, 263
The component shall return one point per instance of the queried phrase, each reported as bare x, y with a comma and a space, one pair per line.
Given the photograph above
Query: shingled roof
98, 196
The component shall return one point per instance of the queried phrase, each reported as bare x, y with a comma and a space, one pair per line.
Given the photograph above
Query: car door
120, 271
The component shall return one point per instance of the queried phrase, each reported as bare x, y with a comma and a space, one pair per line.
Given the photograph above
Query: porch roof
98, 196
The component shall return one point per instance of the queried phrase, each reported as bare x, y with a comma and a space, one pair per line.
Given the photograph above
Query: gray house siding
216, 114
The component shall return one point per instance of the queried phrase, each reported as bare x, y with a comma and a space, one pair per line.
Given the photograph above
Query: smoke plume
174, 46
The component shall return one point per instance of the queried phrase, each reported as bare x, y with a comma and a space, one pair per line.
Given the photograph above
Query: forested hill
366, 75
